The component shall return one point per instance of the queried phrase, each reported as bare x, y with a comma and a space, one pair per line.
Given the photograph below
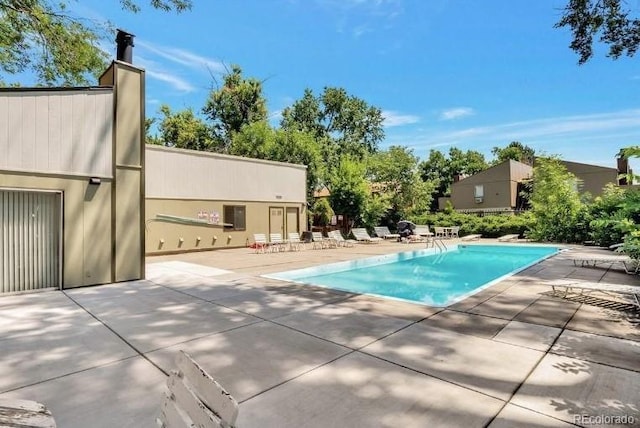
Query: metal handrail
440, 245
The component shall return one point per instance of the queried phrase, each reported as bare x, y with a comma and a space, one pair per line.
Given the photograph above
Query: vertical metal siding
30, 232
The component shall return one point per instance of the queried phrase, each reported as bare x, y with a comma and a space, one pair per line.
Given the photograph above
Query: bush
491, 226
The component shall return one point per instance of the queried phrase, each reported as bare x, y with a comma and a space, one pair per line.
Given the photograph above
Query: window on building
236, 216
479, 191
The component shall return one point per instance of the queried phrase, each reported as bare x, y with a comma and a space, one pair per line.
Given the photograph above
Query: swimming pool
424, 276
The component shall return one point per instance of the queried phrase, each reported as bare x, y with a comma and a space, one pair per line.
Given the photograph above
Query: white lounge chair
260, 242
423, 231
629, 265
339, 239
294, 241
319, 241
510, 237
362, 235
474, 237
276, 242
194, 398
384, 233
582, 287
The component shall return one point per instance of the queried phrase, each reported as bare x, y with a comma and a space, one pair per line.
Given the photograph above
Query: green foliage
491, 226
258, 140
349, 189
395, 175
238, 102
375, 208
184, 130
322, 211
560, 215
344, 125
606, 18
59, 49
516, 151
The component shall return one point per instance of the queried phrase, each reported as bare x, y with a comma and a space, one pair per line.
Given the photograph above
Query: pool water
426, 276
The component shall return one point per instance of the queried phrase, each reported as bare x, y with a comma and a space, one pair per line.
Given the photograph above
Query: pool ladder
437, 243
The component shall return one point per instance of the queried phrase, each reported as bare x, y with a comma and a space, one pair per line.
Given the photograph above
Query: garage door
29, 240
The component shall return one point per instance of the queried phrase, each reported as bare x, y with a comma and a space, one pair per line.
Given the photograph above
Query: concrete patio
512, 355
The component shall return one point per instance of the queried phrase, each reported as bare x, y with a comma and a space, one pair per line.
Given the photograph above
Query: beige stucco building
592, 178
494, 189
201, 201
497, 189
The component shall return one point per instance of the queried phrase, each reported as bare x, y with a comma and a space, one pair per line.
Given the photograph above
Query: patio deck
293, 356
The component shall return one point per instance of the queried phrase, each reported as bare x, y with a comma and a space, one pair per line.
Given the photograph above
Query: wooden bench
194, 398
23, 413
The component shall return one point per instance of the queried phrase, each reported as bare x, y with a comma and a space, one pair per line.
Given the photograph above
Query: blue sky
470, 74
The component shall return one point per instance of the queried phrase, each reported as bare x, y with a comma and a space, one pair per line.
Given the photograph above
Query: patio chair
362, 236
194, 398
510, 237
294, 241
585, 287
440, 232
260, 242
276, 242
454, 232
339, 239
384, 233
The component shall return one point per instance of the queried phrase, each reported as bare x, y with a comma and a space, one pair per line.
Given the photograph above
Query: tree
555, 203
516, 151
44, 38
238, 102
395, 173
184, 130
259, 140
606, 18
440, 170
349, 189
343, 124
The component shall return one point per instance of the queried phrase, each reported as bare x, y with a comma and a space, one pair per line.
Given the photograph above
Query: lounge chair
294, 241
362, 235
629, 265
511, 237
474, 237
194, 398
384, 233
422, 231
339, 239
582, 287
276, 242
260, 242
320, 241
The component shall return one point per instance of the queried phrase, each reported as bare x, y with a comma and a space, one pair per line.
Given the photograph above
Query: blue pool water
425, 276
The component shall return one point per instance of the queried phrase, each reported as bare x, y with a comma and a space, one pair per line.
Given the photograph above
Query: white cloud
393, 118
184, 57
175, 81
157, 71
620, 128
456, 113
